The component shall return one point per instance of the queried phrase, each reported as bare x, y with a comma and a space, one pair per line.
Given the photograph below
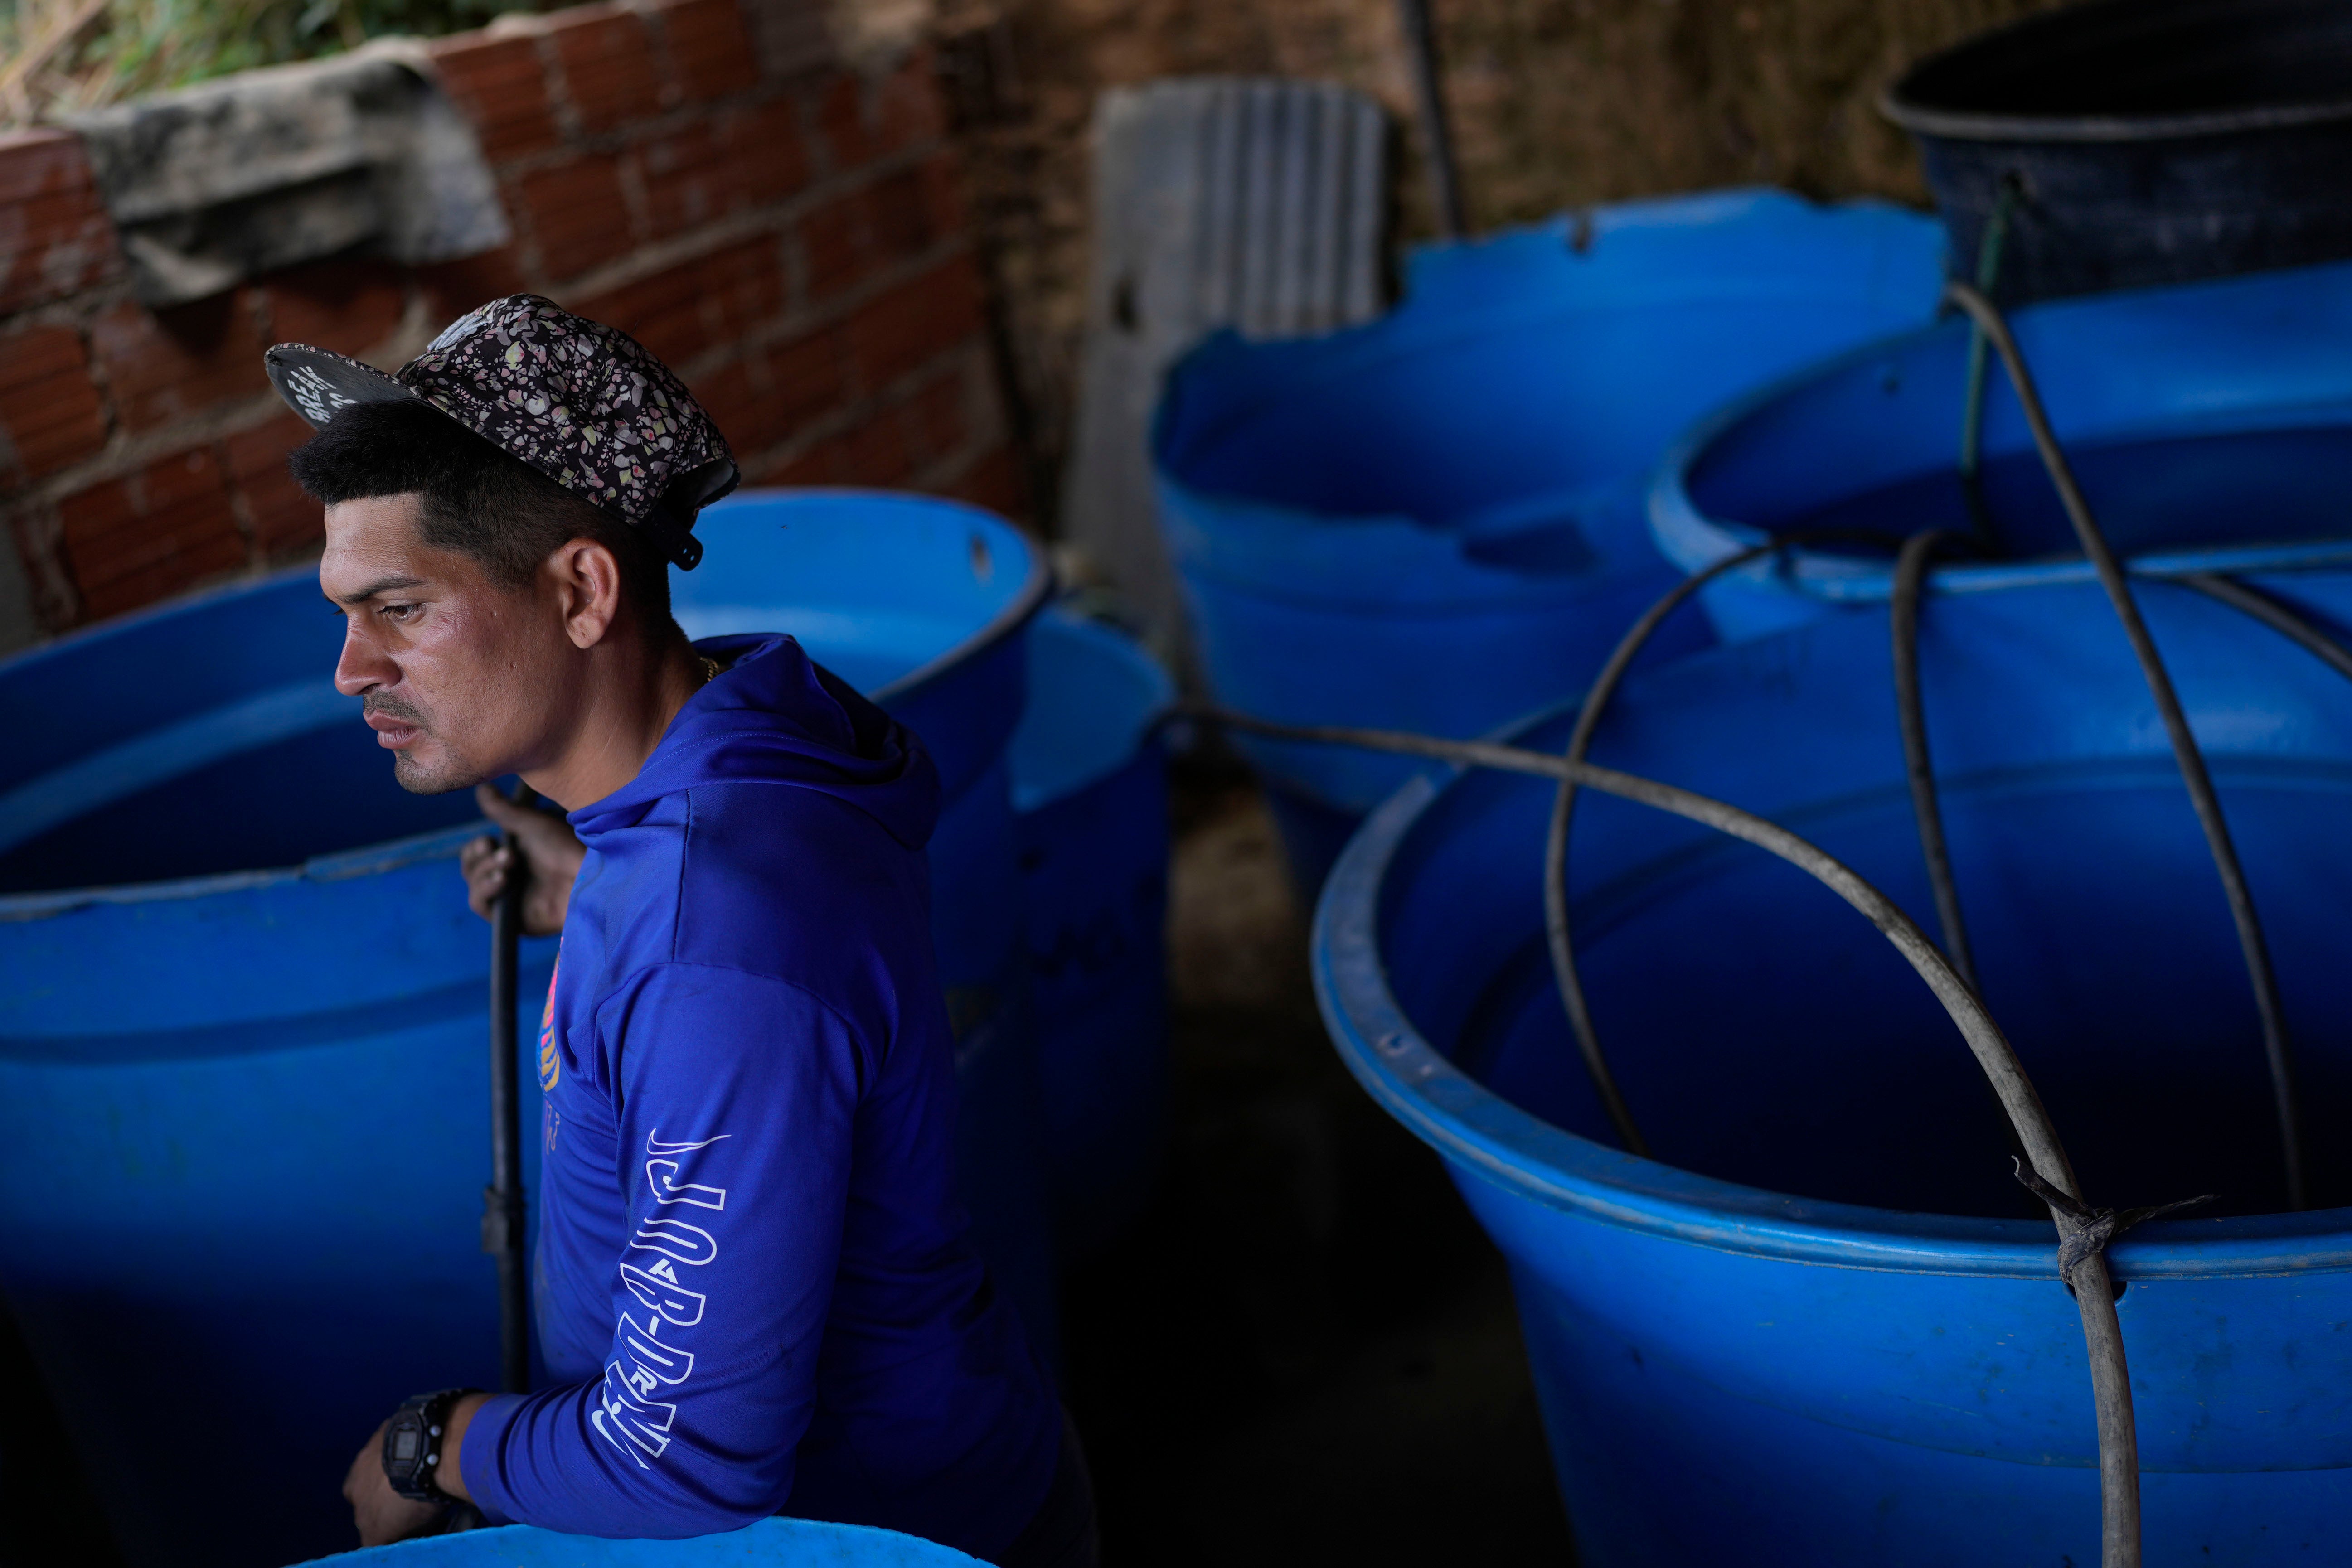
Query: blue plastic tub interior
1434, 521
2210, 425
1824, 1297
246, 758
241, 730
1776, 1038
770, 1544
202, 739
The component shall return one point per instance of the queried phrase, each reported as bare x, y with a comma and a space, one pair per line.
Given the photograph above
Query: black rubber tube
1559, 933
2271, 613
1558, 937
1420, 29
2206, 801
502, 1201
1990, 250
1918, 765
2093, 1288
1911, 714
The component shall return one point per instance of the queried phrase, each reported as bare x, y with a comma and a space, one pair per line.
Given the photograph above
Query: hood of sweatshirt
774, 715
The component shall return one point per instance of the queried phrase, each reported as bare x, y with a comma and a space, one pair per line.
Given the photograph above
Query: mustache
393, 708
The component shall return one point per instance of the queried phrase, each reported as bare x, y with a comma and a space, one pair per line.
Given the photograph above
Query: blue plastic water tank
771, 1543
243, 1113
2209, 424
1818, 1327
1090, 785
1434, 522
925, 606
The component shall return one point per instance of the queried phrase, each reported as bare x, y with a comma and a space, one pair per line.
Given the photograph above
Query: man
755, 1293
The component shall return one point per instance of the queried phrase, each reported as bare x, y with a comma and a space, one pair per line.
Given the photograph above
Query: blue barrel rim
809, 1536
391, 854
368, 860
1429, 319
1693, 540
73, 641
1487, 1136
1037, 588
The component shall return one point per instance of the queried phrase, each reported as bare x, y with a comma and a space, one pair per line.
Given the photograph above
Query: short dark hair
475, 498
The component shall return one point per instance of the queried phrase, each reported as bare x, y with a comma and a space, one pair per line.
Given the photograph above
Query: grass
63, 55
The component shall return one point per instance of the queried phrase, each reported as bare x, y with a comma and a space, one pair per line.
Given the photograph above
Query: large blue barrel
773, 1542
2210, 425
1818, 1327
1090, 785
243, 1113
1434, 522
926, 605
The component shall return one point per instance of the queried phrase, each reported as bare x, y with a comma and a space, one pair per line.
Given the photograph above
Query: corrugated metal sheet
1219, 201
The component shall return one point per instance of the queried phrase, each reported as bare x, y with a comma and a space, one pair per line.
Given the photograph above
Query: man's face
459, 676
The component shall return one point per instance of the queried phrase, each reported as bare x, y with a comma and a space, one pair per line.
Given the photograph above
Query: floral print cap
582, 402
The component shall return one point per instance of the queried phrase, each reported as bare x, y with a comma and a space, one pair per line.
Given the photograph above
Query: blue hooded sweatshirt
754, 1291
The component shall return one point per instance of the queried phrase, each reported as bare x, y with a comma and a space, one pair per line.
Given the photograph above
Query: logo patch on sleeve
551, 1061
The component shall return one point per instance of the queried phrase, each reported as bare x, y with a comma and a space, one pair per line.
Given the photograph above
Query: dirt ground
1306, 1351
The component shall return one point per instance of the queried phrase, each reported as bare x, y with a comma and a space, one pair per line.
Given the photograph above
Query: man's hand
383, 1514
549, 848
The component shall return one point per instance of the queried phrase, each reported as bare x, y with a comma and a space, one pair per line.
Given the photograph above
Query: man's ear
587, 583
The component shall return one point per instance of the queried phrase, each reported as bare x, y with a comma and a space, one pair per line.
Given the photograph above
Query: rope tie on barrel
2093, 1227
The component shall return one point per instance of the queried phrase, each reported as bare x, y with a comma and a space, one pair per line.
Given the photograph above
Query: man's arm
738, 1095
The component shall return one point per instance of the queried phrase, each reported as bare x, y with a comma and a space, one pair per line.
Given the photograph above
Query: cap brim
319, 385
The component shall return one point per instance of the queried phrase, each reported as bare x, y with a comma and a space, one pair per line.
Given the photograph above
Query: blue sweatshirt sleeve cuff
485, 1435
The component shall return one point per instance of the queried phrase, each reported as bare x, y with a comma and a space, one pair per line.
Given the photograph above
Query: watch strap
413, 1443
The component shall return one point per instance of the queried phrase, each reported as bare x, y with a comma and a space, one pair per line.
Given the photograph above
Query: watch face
404, 1444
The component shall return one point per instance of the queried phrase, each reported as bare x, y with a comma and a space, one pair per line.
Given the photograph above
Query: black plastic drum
2148, 142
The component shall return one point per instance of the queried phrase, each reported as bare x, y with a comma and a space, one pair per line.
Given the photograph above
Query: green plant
67, 55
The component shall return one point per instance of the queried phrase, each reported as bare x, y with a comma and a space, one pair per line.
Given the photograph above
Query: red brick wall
789, 239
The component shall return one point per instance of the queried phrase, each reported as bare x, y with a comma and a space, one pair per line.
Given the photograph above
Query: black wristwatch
412, 1444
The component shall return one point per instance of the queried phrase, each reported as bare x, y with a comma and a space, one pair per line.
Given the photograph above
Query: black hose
1919, 767
1419, 31
502, 1201
2191, 760
1910, 575
1989, 250
2273, 614
2093, 1285
1556, 931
